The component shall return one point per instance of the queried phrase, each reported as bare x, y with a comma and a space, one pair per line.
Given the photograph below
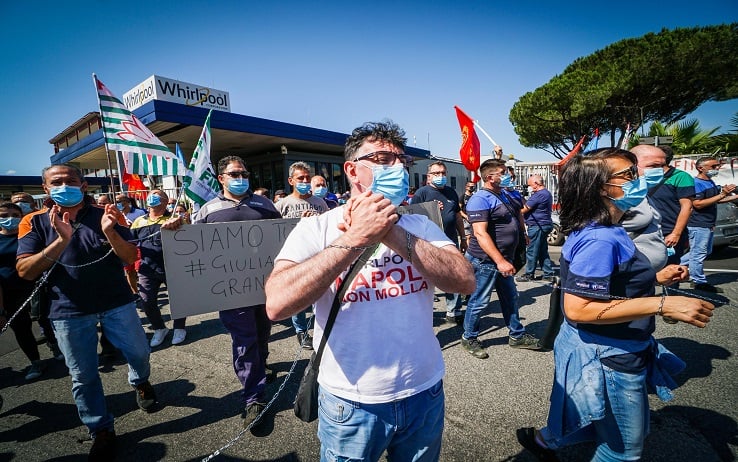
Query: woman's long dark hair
581, 184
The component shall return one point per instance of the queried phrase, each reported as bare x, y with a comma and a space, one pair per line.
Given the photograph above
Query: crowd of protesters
81, 304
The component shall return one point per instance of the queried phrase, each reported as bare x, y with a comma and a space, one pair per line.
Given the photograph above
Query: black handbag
306, 400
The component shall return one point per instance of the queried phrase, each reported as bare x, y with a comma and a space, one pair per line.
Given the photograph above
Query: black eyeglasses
630, 173
386, 158
238, 174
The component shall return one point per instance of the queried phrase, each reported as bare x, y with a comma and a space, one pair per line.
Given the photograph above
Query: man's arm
435, 264
460, 231
685, 211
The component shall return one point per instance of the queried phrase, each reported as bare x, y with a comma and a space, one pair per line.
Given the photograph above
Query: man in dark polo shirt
249, 326
83, 250
496, 225
537, 214
453, 225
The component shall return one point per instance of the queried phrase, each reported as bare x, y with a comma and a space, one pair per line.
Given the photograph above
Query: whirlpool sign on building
174, 91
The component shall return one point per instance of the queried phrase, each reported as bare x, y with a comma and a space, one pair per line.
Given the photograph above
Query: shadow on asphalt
698, 356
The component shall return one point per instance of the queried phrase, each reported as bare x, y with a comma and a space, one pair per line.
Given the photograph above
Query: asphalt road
486, 400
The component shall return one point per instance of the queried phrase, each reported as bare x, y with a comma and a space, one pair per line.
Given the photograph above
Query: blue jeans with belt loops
409, 429
77, 339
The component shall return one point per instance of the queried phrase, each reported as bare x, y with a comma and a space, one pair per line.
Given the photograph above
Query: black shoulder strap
507, 206
355, 268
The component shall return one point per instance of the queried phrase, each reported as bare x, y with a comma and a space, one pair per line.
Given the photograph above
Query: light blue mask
238, 186
303, 188
439, 181
506, 181
119, 207
653, 176
153, 200
67, 196
634, 191
320, 191
393, 182
10, 223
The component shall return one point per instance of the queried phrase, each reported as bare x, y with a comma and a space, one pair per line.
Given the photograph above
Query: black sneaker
305, 340
474, 348
548, 278
525, 278
250, 414
145, 396
526, 341
705, 287
103, 446
527, 439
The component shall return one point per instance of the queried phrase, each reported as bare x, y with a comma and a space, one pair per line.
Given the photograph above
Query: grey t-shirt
643, 224
295, 207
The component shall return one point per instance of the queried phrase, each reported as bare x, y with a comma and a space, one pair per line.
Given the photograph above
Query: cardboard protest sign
221, 266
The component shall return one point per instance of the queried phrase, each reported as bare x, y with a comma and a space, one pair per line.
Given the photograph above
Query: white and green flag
200, 182
143, 152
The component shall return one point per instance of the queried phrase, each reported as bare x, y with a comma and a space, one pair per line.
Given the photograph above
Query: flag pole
105, 140
485, 133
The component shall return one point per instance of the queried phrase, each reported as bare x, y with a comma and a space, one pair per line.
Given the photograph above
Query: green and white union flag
143, 152
200, 183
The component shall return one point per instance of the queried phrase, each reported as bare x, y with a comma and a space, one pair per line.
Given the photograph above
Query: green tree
663, 76
727, 142
687, 136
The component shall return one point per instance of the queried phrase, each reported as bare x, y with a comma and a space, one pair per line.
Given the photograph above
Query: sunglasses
629, 173
238, 174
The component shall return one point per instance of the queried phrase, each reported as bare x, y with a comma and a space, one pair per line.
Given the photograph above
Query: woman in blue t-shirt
605, 354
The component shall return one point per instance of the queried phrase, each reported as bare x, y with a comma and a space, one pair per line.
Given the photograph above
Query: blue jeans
453, 304
409, 429
487, 276
537, 251
299, 321
620, 435
77, 339
700, 247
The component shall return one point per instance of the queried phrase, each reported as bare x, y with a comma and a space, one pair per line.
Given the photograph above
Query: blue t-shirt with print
601, 261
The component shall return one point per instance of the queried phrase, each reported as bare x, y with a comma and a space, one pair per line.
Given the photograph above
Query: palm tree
688, 137
728, 142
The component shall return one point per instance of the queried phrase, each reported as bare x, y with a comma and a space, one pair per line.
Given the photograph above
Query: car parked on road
726, 226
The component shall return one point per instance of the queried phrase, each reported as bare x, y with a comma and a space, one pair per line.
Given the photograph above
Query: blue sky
330, 65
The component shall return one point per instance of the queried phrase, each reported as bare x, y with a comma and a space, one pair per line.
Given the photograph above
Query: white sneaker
178, 336
158, 338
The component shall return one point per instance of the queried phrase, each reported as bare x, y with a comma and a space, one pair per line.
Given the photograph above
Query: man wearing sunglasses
249, 326
381, 373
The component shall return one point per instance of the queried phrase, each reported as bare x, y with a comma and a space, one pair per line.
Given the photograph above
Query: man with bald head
537, 214
672, 197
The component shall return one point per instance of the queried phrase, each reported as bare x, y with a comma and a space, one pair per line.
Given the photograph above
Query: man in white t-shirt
301, 203
382, 352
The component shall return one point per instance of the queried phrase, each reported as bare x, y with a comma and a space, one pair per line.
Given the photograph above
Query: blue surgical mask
170, 208
653, 176
506, 181
153, 200
634, 191
119, 206
10, 223
24, 206
66, 195
320, 191
393, 182
238, 186
302, 188
712, 173
439, 181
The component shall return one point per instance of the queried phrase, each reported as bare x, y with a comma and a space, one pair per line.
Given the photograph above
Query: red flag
136, 188
573, 152
469, 151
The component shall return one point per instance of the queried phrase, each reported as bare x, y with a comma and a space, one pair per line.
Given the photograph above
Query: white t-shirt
382, 347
